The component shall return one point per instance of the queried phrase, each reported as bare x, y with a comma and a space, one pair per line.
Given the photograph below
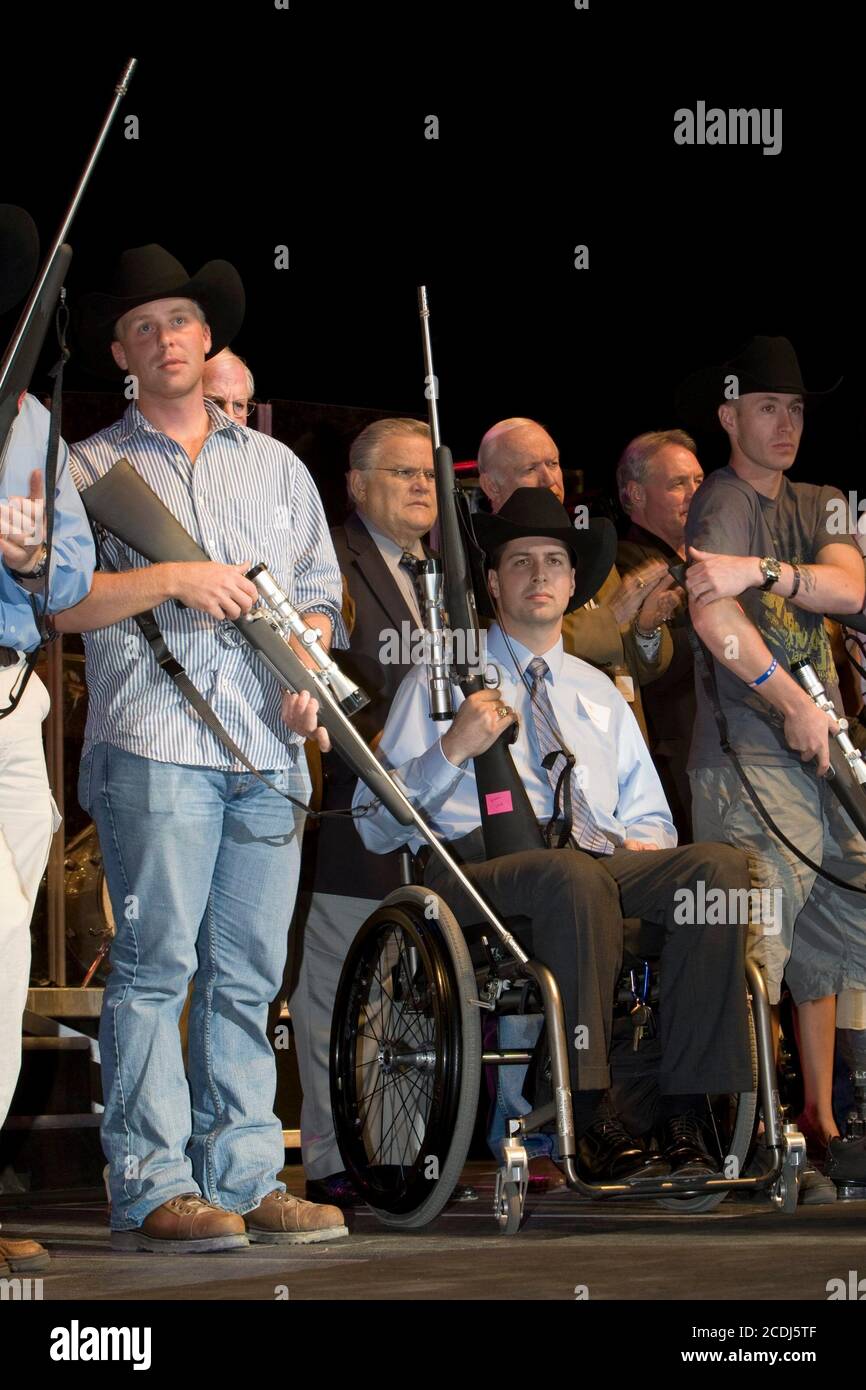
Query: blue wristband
767, 674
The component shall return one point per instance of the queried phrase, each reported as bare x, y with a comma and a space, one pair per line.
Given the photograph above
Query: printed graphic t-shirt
728, 517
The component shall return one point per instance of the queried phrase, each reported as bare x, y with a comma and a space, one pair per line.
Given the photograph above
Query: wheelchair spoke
369, 1096
383, 1136
414, 996
403, 1104
719, 1145
409, 1031
417, 1139
403, 1109
389, 1025
385, 996
402, 1009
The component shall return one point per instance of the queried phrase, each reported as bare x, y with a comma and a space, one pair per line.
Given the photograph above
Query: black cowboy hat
763, 364
19, 254
534, 511
150, 272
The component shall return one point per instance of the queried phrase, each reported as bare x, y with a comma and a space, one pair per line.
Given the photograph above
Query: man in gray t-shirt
767, 562
730, 517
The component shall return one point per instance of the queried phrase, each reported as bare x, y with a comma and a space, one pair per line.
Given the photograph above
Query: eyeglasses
408, 475
243, 409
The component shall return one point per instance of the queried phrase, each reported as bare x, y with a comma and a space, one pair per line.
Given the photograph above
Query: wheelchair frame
446, 980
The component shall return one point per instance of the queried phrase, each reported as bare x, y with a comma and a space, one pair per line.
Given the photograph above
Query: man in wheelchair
619, 858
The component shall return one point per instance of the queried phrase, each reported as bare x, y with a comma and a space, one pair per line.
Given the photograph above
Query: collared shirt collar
386, 544
641, 536
133, 420
498, 650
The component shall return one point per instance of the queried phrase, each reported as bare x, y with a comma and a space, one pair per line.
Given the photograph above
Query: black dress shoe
607, 1153
336, 1190
683, 1145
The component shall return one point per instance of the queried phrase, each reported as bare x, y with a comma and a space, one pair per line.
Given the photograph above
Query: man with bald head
657, 477
622, 629
228, 382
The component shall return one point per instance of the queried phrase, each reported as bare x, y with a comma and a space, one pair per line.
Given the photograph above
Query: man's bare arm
734, 640
219, 590
835, 583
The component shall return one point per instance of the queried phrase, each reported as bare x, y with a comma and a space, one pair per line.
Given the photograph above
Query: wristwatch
771, 570
38, 571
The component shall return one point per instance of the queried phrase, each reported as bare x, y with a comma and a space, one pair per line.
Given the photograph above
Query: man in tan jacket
622, 628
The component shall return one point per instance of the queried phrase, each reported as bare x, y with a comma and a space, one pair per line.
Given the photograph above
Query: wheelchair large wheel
406, 1058
731, 1123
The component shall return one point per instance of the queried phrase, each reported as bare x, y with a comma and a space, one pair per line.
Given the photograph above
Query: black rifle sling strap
704, 663
169, 663
172, 667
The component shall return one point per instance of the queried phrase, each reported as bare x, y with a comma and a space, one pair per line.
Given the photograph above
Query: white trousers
28, 819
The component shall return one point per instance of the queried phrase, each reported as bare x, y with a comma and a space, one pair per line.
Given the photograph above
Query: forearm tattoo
807, 579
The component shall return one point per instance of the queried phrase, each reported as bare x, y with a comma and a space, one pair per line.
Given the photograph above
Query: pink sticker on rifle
497, 802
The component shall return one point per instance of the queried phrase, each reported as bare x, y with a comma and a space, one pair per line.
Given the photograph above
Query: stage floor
744, 1250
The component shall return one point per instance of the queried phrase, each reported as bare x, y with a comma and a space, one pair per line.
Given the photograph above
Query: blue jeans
519, 1031
202, 868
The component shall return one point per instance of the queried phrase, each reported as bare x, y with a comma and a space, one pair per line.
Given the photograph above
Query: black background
260, 127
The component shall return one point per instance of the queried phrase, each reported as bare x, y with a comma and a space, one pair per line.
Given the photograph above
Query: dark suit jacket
342, 865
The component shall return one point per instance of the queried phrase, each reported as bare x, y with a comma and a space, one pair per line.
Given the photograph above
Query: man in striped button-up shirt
201, 859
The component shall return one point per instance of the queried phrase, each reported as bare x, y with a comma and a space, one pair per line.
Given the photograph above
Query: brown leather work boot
184, 1225
22, 1256
281, 1219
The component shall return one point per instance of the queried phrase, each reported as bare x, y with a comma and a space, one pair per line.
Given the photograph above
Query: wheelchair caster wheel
787, 1191
509, 1209
512, 1181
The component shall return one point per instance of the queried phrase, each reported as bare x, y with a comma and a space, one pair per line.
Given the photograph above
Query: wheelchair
406, 1059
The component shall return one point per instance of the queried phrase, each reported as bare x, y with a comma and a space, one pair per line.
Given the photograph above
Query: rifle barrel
27, 314
430, 384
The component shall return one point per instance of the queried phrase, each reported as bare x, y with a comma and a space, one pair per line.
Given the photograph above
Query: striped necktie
409, 563
555, 761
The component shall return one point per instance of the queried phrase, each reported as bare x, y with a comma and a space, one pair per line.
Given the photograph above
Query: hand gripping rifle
508, 822
847, 775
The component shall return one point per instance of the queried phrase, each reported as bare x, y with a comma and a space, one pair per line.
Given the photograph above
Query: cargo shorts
809, 930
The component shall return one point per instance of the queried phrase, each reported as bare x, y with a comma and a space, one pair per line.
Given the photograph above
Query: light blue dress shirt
72, 553
616, 771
